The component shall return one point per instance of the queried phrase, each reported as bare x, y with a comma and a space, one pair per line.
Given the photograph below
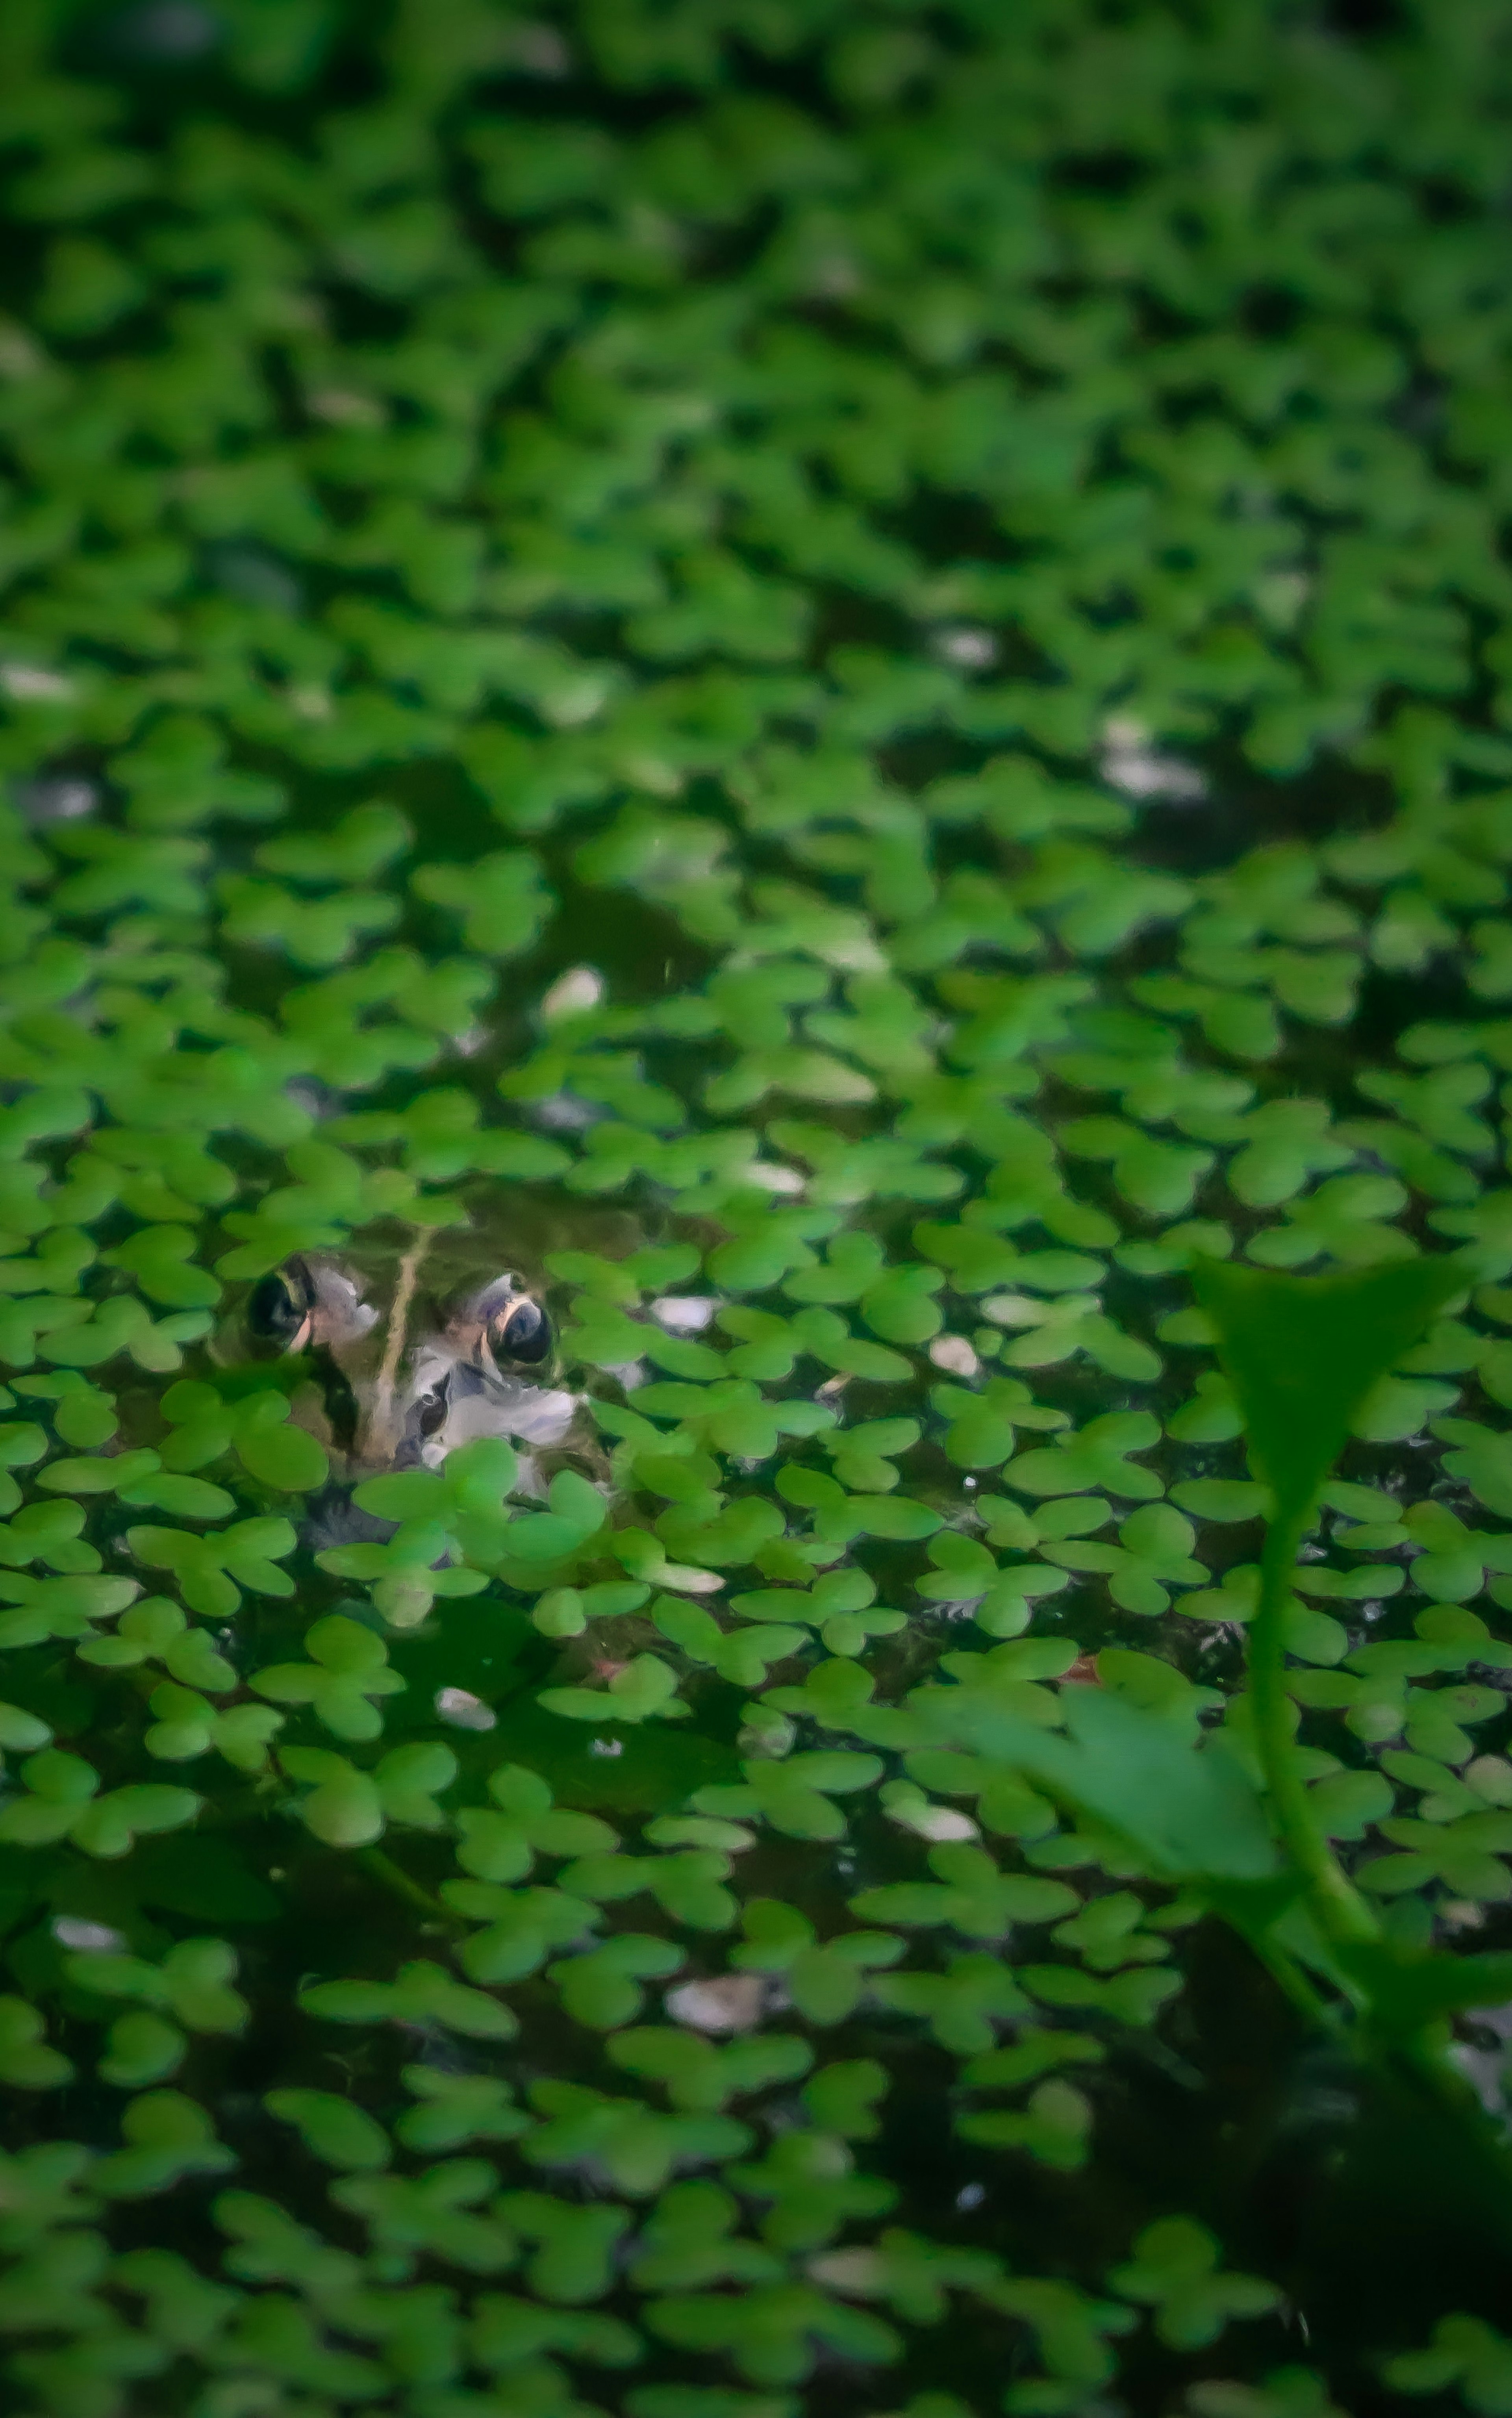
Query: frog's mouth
404, 1389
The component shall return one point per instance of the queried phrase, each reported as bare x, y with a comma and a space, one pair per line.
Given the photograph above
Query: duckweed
834, 674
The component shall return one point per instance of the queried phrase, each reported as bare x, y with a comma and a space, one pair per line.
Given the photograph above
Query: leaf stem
395, 1878
1342, 1912
1416, 2062
1287, 1975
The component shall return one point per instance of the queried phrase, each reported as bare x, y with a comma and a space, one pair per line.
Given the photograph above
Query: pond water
722, 723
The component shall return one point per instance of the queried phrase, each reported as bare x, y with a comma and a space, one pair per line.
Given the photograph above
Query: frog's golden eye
281, 1306
519, 1331
501, 1328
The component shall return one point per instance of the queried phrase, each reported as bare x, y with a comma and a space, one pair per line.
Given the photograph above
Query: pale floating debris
32, 684
859, 2275
342, 408
732, 2002
767, 1738
574, 702
655, 774
852, 953
72, 1931
1489, 1775
940, 1824
1014, 1309
171, 30
685, 1579
1025, 1310
1463, 1914
1131, 764
1282, 594
911, 1810
309, 701
975, 651
971, 2196
772, 1178
564, 1113
573, 993
606, 1746
317, 1099
256, 576
59, 801
537, 49
835, 279
684, 1313
954, 1354
468, 1044
18, 356
630, 1373
465, 1711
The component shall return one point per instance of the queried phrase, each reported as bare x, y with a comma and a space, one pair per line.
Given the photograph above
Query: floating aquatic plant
834, 675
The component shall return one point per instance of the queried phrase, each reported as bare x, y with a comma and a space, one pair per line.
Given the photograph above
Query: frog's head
401, 1389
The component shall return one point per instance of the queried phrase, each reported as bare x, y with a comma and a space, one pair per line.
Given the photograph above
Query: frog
401, 1379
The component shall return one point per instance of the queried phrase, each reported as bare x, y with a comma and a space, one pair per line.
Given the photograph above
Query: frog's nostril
280, 1308
521, 1331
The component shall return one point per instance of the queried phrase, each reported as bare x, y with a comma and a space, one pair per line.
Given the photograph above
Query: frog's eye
281, 1306
519, 1330
502, 1328
431, 1408
306, 1304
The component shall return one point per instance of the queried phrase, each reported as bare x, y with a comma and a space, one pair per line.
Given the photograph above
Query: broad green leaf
1301, 1352
1186, 1810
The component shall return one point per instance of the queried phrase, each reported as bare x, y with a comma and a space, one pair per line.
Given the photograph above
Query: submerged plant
1302, 1356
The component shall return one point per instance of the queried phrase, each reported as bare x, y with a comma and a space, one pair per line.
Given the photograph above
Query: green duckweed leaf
636, 2149
969, 1895
62, 1801
142, 2048
193, 1983
601, 1987
702, 769
334, 2129
642, 1689
167, 2136
1464, 2351
455, 2108
213, 1570
347, 1669
1096, 1455
423, 1993
27, 2061
1175, 2270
